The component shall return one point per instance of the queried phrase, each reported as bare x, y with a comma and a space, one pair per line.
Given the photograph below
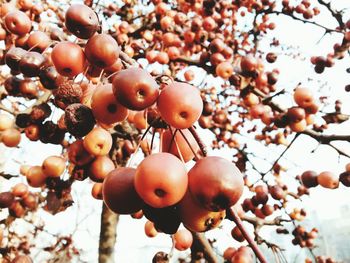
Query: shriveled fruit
79, 119
6, 199
161, 187
215, 183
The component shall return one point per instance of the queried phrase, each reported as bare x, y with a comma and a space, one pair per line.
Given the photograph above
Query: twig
232, 215
285, 150
198, 140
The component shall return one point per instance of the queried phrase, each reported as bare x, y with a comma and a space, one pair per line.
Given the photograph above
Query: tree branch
109, 221
232, 215
201, 244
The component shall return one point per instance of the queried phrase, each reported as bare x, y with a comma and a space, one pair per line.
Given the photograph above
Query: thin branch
232, 215
337, 15
198, 140
304, 21
281, 155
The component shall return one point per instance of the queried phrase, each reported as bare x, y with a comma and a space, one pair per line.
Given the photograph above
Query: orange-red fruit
183, 239
249, 63
38, 41
160, 187
298, 126
102, 50
68, 59
237, 234
36, 176
224, 70
189, 75
11, 137
172, 143
105, 107
139, 120
6, 122
17, 22
229, 252
196, 218
257, 111
98, 141
180, 105
347, 167
150, 230
22, 259
100, 168
328, 180
54, 166
96, 191
135, 88
81, 21
77, 153
119, 192
20, 190
303, 97
23, 169
216, 183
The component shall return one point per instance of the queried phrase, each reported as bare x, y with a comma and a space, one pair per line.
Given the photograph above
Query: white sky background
132, 244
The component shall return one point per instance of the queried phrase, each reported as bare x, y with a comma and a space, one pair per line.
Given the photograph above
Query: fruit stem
198, 140
189, 145
232, 215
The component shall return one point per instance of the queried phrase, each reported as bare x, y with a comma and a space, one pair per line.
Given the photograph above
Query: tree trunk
108, 234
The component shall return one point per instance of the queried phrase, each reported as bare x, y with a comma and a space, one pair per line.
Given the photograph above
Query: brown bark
108, 233
201, 248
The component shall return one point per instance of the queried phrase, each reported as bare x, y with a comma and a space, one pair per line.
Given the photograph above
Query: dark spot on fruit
140, 93
67, 70
219, 202
159, 192
112, 108
184, 114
